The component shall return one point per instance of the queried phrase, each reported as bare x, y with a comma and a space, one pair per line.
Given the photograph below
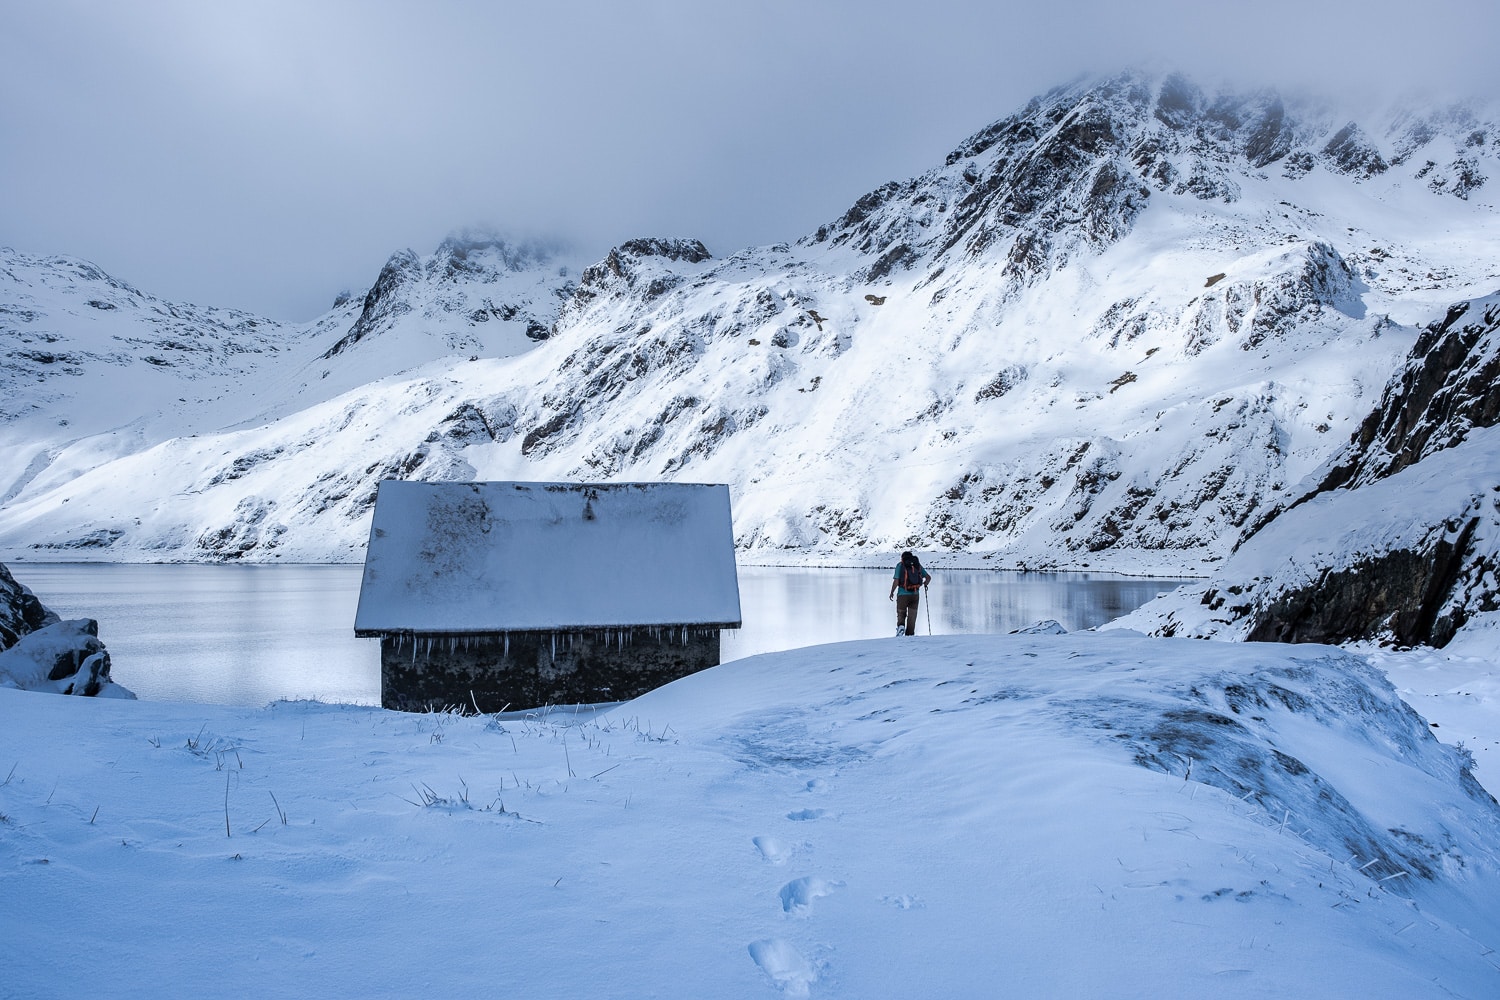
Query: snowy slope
98, 373
1397, 536
1039, 816
91, 366
1113, 329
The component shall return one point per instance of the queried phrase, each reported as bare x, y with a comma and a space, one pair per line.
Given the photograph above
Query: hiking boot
900, 629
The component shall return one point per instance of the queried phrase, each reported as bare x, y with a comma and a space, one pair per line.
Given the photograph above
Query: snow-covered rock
1048, 627
1398, 537
1114, 329
65, 657
41, 652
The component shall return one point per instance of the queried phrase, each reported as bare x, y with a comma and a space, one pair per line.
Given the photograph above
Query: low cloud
267, 156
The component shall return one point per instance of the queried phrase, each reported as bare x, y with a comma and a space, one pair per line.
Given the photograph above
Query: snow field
940, 817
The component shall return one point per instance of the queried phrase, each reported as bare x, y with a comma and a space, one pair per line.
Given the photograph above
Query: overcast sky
267, 155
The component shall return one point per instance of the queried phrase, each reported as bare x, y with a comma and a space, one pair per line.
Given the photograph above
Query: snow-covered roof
497, 557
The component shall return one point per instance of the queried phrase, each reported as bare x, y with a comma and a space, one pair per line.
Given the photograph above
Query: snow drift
1040, 815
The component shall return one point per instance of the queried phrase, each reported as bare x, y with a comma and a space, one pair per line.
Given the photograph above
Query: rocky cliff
1398, 538
20, 611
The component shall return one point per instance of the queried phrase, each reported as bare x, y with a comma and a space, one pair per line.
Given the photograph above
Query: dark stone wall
519, 670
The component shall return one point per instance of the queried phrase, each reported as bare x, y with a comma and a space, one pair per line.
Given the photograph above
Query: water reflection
248, 635
785, 608
229, 635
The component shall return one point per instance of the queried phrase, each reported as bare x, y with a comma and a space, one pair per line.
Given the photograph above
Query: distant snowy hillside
90, 363
1114, 329
1399, 538
96, 371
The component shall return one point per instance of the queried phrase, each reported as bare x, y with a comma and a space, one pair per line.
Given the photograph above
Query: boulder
41, 652
65, 657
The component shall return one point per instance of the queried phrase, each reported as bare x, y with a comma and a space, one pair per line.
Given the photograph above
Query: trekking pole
928, 604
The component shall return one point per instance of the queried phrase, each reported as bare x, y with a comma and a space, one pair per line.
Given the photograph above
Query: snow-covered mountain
477, 295
1398, 536
95, 370
95, 367
1114, 329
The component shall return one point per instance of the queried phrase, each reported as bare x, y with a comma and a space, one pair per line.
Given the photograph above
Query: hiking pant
906, 612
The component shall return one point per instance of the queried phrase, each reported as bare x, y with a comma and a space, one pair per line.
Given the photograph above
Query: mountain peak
1108, 330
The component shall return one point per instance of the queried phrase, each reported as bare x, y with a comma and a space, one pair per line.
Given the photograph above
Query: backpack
911, 576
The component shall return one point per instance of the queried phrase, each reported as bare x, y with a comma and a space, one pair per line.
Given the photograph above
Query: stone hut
493, 595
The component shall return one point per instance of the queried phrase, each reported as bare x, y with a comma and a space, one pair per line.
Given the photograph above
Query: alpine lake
249, 634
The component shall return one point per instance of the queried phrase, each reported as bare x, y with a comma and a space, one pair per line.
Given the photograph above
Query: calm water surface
249, 635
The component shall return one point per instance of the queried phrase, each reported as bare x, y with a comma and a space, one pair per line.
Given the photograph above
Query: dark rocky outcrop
638, 268
41, 652
1407, 514
1449, 385
1351, 152
1271, 138
20, 611
1397, 595
383, 301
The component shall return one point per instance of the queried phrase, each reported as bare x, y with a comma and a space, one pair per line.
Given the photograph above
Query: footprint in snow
804, 815
772, 850
797, 896
786, 966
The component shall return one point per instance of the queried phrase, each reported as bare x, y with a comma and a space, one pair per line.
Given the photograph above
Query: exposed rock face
1400, 538
1398, 595
1351, 152
1449, 385
20, 611
383, 302
636, 268
40, 652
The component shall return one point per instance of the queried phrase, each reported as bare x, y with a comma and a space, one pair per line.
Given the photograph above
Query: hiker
906, 590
